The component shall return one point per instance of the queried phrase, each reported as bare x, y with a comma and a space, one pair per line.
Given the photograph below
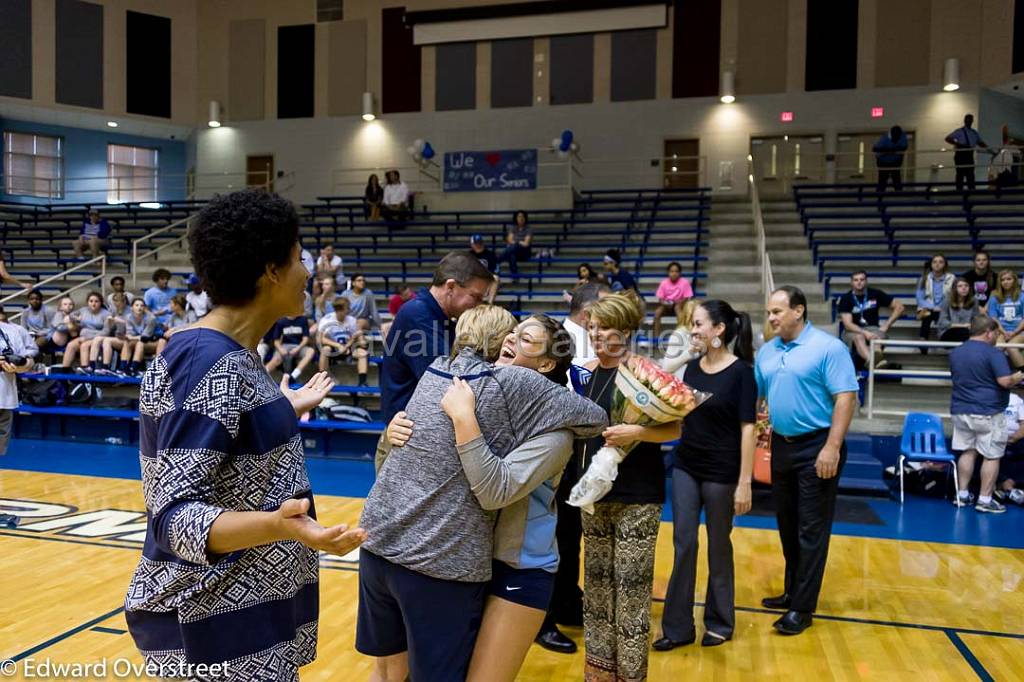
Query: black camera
14, 359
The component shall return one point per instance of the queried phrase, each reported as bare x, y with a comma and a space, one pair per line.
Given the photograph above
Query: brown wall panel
903, 43
761, 59
346, 69
247, 58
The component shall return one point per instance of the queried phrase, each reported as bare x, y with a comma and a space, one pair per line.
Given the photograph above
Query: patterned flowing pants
618, 571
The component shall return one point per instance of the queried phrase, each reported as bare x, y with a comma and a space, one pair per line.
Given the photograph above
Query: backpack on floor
45, 393
83, 393
343, 413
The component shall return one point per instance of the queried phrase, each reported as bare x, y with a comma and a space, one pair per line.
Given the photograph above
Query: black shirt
374, 194
486, 258
982, 285
709, 449
641, 478
864, 307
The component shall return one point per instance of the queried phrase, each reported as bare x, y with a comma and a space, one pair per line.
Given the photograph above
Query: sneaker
104, 372
1017, 496
964, 502
991, 507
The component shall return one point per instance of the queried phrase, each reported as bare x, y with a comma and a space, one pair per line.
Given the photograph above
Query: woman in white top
678, 350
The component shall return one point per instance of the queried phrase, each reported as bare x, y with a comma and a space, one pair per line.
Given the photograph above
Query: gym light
727, 88
368, 114
111, 124
215, 112
951, 75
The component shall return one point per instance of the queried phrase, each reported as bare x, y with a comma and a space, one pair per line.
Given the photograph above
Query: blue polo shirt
976, 367
420, 333
800, 378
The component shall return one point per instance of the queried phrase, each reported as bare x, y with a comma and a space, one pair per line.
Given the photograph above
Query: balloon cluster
421, 150
564, 145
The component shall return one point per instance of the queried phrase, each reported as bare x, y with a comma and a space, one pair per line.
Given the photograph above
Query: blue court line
969, 656
108, 631
65, 635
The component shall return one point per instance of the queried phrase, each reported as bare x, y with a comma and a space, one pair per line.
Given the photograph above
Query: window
132, 174
33, 165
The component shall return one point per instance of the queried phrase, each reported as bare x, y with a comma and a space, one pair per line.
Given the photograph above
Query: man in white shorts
981, 382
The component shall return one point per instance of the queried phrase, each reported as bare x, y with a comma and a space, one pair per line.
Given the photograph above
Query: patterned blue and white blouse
216, 435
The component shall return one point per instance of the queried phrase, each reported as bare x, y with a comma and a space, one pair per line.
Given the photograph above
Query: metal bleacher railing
764, 259
85, 266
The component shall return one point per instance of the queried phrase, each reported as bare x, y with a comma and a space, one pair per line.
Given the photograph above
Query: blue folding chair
924, 440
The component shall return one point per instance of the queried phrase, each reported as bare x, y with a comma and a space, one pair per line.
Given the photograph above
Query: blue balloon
428, 151
567, 136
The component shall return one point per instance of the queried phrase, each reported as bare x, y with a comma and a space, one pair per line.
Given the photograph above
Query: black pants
964, 170
804, 508
567, 600
926, 324
955, 334
886, 174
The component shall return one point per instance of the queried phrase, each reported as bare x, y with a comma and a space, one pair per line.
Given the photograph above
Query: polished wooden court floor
891, 609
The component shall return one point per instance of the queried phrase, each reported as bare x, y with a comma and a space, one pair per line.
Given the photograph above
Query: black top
641, 478
864, 307
486, 258
709, 449
982, 285
374, 195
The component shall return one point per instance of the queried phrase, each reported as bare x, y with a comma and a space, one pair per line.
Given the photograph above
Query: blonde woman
425, 568
620, 535
678, 350
1006, 306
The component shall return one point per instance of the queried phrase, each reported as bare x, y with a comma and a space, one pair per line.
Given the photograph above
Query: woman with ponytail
712, 471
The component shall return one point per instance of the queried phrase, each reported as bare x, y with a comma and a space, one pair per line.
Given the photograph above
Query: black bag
344, 413
83, 393
44, 393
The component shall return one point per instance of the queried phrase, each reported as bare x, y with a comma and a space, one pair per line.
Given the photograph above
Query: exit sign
786, 116
877, 112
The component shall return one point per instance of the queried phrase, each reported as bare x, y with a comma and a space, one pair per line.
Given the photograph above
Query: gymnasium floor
924, 590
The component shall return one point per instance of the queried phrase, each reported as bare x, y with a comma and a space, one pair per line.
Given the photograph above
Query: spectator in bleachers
982, 278
1006, 307
673, 292
403, 295
678, 349
114, 328
889, 152
322, 301
197, 299
587, 275
63, 327
478, 247
35, 318
859, 311
965, 140
158, 297
139, 331
90, 320
1011, 466
933, 289
981, 382
94, 235
339, 336
372, 198
958, 310
329, 265
1004, 169
5, 277
291, 339
362, 303
519, 242
396, 198
619, 279
117, 285
179, 318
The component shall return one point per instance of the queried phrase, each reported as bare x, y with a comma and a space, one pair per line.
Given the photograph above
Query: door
259, 172
681, 164
782, 160
855, 162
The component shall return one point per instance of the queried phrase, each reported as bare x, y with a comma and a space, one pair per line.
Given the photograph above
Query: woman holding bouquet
712, 471
620, 535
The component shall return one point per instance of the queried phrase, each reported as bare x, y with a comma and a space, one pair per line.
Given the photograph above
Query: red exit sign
877, 112
786, 117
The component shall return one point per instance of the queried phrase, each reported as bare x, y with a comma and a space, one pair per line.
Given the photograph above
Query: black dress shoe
554, 640
793, 623
779, 602
712, 639
666, 644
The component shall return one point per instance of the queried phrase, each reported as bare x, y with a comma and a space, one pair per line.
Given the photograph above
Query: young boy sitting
339, 336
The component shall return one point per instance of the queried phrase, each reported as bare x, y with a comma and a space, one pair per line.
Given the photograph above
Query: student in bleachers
362, 303
290, 339
403, 295
179, 318
396, 198
35, 318
982, 278
1006, 306
859, 311
63, 326
322, 301
91, 320
1011, 467
673, 292
339, 336
330, 265
158, 297
114, 328
5, 276
933, 289
519, 242
139, 330
889, 152
117, 287
957, 311
587, 275
619, 278
488, 259
197, 299
373, 197
965, 139
94, 235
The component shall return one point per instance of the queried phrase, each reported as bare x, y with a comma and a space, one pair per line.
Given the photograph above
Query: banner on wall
495, 171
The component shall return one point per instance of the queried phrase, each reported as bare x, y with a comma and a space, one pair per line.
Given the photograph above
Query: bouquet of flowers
644, 394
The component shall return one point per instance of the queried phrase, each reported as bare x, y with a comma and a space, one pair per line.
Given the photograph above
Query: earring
716, 342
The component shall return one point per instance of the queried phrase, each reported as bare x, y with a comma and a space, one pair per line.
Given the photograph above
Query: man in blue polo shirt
808, 379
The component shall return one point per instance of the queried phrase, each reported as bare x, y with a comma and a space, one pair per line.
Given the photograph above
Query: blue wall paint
85, 156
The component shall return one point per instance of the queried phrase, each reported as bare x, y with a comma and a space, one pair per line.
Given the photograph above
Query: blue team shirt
800, 378
1008, 313
975, 367
159, 303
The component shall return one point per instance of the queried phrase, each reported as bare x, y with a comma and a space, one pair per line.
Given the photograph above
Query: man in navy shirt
889, 152
423, 328
965, 140
981, 382
619, 279
290, 337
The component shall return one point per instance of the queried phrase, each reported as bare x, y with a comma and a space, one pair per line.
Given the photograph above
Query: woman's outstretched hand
296, 524
309, 396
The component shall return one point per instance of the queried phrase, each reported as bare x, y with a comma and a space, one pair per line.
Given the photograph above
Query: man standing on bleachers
965, 140
889, 152
858, 311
